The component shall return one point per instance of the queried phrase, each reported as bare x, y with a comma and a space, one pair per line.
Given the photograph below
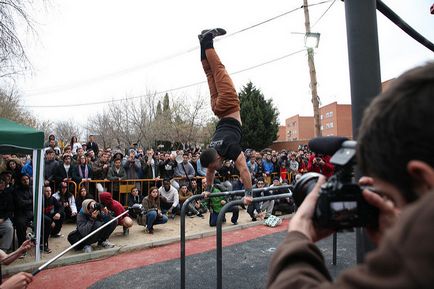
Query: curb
84, 257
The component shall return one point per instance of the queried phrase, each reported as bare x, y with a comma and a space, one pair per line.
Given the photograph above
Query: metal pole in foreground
183, 212
43, 266
335, 241
220, 218
197, 197
365, 78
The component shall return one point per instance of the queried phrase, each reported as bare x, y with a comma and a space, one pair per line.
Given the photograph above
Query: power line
165, 91
325, 12
121, 72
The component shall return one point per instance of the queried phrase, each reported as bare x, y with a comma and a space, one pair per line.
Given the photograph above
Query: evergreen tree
166, 104
259, 118
159, 110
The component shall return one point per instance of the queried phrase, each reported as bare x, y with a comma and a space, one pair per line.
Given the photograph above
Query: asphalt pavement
245, 265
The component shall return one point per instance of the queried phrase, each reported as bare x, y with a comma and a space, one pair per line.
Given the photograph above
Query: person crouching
91, 217
112, 205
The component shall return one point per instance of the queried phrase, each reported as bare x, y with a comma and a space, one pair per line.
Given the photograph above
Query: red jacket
327, 169
112, 205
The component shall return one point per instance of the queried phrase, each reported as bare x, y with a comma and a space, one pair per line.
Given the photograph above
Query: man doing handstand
225, 144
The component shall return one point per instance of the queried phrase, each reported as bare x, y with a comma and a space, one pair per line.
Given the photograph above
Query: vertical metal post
220, 218
184, 209
335, 244
365, 79
219, 242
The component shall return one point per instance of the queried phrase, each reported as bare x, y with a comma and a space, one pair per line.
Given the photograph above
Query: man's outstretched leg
224, 98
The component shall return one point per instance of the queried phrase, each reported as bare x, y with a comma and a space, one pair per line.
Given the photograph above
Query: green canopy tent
17, 138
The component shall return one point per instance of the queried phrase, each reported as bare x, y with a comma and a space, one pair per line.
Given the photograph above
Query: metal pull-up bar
184, 209
220, 218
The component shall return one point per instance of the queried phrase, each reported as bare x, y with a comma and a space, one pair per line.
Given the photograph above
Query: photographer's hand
26, 246
302, 220
388, 212
17, 281
95, 214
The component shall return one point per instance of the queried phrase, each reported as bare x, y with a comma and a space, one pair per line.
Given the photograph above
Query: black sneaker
214, 32
200, 215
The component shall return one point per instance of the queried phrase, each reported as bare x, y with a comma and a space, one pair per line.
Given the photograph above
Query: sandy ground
137, 235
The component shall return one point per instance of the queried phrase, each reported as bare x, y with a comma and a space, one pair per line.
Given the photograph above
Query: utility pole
312, 72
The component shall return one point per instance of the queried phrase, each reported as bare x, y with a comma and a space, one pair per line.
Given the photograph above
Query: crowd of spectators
82, 171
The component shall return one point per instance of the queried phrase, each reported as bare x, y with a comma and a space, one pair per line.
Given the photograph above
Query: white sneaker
87, 249
106, 244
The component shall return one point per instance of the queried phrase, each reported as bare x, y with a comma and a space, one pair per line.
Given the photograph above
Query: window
329, 114
321, 117
322, 127
331, 125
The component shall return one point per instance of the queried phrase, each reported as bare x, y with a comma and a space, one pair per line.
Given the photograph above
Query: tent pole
37, 198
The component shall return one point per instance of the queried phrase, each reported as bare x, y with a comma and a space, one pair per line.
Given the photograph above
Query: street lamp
311, 39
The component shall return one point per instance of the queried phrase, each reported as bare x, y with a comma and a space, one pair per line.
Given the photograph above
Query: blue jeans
151, 219
6, 234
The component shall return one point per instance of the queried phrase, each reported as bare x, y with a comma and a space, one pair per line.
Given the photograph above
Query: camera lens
304, 186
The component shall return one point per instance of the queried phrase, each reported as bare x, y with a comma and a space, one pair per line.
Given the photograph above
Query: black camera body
137, 209
98, 207
340, 203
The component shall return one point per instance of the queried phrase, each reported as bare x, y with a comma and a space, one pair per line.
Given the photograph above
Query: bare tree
65, 129
10, 108
144, 122
13, 58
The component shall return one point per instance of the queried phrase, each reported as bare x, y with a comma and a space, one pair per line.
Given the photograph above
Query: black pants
47, 229
100, 236
21, 223
165, 206
213, 216
57, 225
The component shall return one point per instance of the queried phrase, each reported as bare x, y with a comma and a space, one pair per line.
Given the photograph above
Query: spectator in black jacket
92, 145
66, 171
23, 213
51, 164
53, 218
134, 197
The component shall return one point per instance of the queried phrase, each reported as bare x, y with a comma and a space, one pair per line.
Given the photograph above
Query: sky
100, 50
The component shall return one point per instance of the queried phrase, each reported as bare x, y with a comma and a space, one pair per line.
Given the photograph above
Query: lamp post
311, 42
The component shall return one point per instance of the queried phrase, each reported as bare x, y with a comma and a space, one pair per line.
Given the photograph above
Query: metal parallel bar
392, 16
43, 266
184, 209
220, 218
365, 76
335, 241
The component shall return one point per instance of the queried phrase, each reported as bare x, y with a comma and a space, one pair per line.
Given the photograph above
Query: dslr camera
98, 207
340, 203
